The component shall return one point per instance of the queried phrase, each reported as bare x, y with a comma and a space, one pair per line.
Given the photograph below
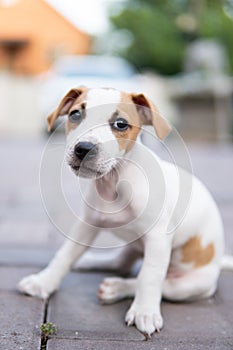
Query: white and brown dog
103, 127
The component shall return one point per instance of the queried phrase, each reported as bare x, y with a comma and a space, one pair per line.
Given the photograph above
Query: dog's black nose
85, 150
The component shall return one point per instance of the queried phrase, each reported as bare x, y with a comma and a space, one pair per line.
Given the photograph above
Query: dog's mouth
89, 169
86, 172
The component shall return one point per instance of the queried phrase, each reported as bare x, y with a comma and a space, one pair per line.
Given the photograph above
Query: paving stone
207, 321
155, 344
20, 315
10, 276
75, 308
20, 320
79, 316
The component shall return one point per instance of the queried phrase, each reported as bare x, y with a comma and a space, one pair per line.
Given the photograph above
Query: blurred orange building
33, 34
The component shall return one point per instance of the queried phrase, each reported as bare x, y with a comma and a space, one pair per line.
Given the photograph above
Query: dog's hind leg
113, 289
193, 285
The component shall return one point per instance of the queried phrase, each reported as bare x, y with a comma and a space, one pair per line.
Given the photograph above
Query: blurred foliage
160, 30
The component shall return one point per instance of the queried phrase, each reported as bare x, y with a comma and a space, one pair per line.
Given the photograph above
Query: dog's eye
120, 124
75, 116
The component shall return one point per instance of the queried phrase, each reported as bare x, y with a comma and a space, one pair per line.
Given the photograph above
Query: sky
88, 15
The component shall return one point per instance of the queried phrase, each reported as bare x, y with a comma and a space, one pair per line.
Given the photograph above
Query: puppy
134, 194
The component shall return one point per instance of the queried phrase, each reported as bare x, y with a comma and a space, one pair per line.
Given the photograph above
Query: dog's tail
227, 262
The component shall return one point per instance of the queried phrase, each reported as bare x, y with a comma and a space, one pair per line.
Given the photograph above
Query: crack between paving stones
43, 340
106, 339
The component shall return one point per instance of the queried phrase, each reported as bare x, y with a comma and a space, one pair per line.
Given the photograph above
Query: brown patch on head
127, 111
150, 115
78, 105
193, 252
74, 96
127, 138
70, 126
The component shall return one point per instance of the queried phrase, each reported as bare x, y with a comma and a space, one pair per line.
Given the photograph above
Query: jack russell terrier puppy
103, 130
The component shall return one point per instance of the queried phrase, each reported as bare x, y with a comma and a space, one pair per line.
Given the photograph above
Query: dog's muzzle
88, 160
85, 150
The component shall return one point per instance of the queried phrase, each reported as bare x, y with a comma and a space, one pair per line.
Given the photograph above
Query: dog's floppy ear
150, 115
64, 105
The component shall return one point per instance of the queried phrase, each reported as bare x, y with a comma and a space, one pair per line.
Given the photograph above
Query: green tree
160, 30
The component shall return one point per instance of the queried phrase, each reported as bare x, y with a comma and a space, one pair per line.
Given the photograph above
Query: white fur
163, 242
99, 97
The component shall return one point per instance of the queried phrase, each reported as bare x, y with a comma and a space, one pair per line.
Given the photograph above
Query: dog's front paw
37, 286
145, 319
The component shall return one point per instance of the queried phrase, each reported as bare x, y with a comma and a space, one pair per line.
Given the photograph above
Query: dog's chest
115, 212
119, 202
120, 222
113, 204
116, 219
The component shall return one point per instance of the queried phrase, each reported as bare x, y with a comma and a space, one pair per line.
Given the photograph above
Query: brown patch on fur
78, 105
127, 138
74, 96
70, 126
150, 115
128, 111
193, 252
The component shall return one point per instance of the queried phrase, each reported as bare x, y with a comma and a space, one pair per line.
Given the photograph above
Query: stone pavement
28, 241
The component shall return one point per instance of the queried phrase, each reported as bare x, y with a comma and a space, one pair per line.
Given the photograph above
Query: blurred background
178, 52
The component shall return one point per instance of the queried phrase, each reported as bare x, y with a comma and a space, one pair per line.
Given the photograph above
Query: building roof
15, 20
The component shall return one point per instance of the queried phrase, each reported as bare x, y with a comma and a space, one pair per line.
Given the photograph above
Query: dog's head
102, 126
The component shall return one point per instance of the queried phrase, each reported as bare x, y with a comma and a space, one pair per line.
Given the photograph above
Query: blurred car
91, 71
